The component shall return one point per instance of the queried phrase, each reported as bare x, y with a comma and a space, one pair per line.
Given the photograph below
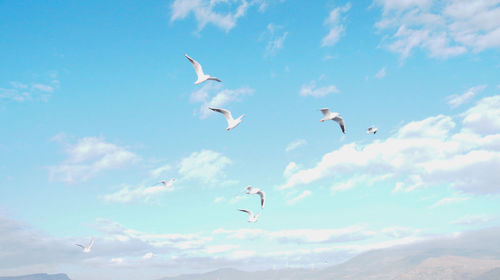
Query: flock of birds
232, 123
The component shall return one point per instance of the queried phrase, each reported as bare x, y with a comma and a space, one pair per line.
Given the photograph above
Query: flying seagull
168, 184
231, 123
251, 217
252, 190
199, 72
327, 115
371, 129
86, 249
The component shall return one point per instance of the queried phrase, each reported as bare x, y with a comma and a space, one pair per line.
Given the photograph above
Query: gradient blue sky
97, 103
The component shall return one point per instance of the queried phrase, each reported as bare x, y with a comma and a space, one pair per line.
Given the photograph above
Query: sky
98, 104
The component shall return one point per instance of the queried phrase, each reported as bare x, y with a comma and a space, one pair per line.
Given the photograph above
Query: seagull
252, 190
251, 217
231, 123
371, 129
86, 249
334, 117
199, 72
168, 184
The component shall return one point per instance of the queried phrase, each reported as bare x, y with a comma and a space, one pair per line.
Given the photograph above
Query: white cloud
447, 201
219, 199
21, 92
291, 168
312, 90
484, 117
442, 29
456, 100
381, 73
295, 144
275, 39
399, 232
301, 236
144, 193
215, 249
472, 220
333, 22
88, 157
205, 165
147, 256
212, 95
430, 152
159, 171
299, 197
221, 13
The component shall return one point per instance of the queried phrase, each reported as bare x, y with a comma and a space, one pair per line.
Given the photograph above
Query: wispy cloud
143, 193
220, 13
447, 201
312, 90
206, 165
381, 73
21, 92
159, 171
213, 95
441, 29
472, 220
456, 100
275, 38
291, 168
334, 23
299, 197
88, 157
295, 144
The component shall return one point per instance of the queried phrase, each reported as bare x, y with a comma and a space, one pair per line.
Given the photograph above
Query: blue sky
97, 103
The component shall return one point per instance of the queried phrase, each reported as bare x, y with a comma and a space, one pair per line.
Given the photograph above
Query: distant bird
334, 117
231, 123
86, 249
168, 184
371, 130
252, 190
199, 72
251, 217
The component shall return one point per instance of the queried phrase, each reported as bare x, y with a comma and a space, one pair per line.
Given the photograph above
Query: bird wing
91, 243
325, 111
79, 245
249, 212
196, 65
214, 79
225, 112
262, 198
340, 121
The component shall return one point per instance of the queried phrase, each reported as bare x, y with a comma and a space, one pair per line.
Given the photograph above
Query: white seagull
251, 217
199, 72
252, 190
334, 117
371, 129
231, 123
86, 249
168, 184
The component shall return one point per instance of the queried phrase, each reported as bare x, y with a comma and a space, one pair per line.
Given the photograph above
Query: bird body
231, 122
327, 115
252, 190
372, 130
202, 77
86, 249
251, 217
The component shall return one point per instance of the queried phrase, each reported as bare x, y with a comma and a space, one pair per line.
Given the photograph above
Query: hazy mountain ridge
470, 256
40, 276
